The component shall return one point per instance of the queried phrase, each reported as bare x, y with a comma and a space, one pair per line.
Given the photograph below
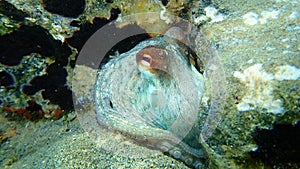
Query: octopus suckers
188, 160
176, 154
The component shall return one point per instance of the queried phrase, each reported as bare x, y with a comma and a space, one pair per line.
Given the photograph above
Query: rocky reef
258, 47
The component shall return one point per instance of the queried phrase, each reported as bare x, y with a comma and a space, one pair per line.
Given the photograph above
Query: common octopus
152, 94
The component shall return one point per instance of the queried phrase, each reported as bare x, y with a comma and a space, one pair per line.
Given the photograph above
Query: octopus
153, 93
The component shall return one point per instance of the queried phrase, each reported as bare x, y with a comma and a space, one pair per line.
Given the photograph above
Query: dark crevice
87, 30
54, 87
109, 1
66, 8
6, 79
165, 2
12, 12
31, 39
61, 96
279, 145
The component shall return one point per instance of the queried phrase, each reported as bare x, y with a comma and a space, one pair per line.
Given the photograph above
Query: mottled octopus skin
146, 65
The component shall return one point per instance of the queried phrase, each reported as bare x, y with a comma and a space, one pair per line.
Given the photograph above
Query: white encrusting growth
210, 13
287, 72
252, 18
259, 90
259, 85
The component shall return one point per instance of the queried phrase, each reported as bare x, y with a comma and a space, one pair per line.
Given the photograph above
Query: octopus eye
146, 60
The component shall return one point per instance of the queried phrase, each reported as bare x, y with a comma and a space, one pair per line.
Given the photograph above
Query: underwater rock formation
269, 36
14, 56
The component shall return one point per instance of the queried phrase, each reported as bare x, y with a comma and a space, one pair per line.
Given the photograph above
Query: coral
161, 12
260, 86
259, 93
32, 112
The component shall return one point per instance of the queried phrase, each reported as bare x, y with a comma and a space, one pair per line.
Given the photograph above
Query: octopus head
150, 60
